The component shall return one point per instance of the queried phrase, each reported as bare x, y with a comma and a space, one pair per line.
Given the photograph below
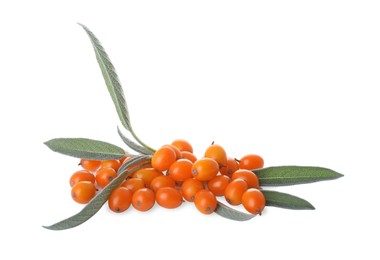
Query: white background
294, 81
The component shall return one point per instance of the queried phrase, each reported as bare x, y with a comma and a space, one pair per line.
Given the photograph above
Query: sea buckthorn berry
218, 184
205, 169
190, 156
163, 158
251, 162
120, 199
205, 201
90, 165
104, 176
83, 192
181, 170
234, 191
133, 184
190, 187
143, 199
168, 197
253, 201
248, 176
175, 149
147, 175
217, 152
183, 145
114, 164
232, 166
162, 181
83, 175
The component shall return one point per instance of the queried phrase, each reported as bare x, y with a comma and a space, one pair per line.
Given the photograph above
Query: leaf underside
291, 175
286, 201
111, 79
85, 148
230, 213
97, 202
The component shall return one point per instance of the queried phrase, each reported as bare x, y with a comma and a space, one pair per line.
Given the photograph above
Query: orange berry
234, 191
133, 184
163, 158
248, 176
162, 181
114, 164
183, 145
104, 176
83, 192
168, 197
147, 174
217, 152
83, 175
205, 201
175, 149
120, 199
251, 162
205, 169
218, 184
232, 166
190, 187
143, 199
253, 201
181, 170
190, 156
90, 165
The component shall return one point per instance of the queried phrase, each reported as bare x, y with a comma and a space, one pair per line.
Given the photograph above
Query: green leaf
230, 213
133, 145
85, 148
291, 175
284, 200
97, 202
111, 78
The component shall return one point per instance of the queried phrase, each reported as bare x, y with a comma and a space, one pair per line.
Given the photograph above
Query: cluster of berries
175, 174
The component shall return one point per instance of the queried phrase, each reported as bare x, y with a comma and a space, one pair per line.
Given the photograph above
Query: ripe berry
163, 158
181, 170
168, 197
133, 184
90, 165
83, 192
104, 176
82, 175
120, 199
147, 174
143, 199
190, 187
183, 145
234, 191
162, 181
205, 201
218, 184
217, 152
251, 162
205, 169
114, 164
253, 201
248, 176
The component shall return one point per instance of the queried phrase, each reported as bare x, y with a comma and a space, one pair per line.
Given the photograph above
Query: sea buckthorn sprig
172, 175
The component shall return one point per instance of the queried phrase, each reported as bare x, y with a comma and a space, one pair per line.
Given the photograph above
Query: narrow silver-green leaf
230, 213
85, 148
97, 202
291, 175
111, 78
133, 145
284, 200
